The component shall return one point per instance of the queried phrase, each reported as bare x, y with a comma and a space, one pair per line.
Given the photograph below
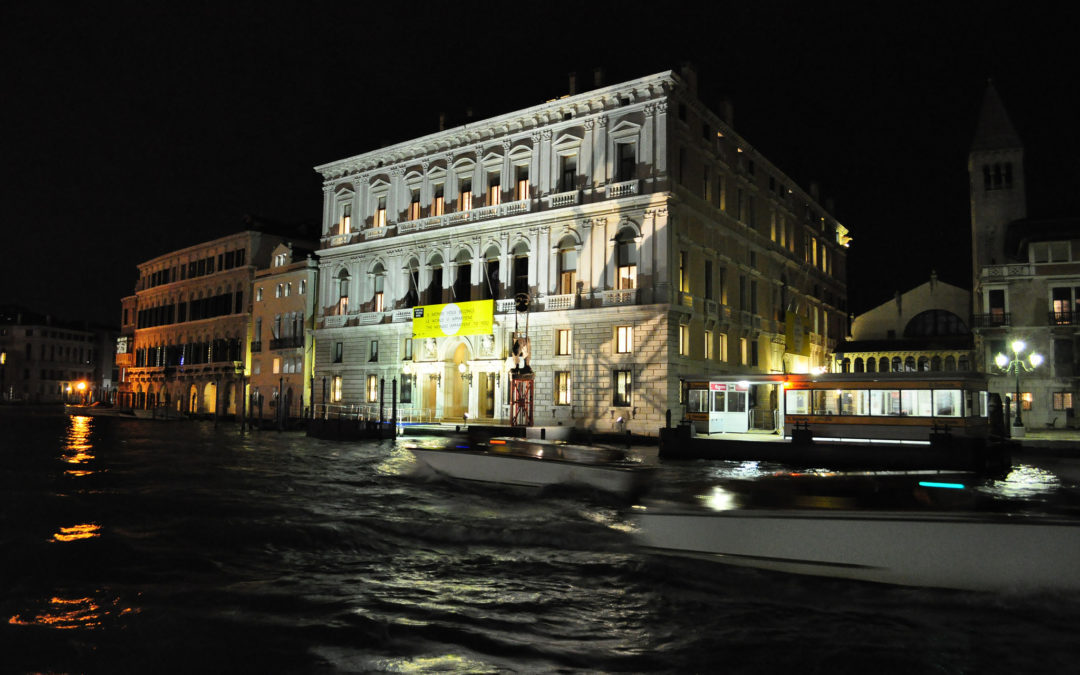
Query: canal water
136, 547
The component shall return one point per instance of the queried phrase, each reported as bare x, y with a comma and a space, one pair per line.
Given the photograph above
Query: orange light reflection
84, 531
68, 613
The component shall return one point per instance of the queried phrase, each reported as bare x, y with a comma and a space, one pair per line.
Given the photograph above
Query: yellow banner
796, 335
456, 318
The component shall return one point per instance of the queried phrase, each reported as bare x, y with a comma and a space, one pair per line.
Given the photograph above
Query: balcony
623, 296
504, 306
376, 232
335, 320
1001, 272
1063, 319
561, 199
686, 300
402, 315
369, 318
554, 303
991, 320
626, 188
290, 342
470, 216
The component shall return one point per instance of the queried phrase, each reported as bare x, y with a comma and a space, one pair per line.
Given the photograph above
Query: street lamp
1016, 365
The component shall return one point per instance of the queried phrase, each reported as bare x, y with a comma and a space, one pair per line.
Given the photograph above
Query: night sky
131, 129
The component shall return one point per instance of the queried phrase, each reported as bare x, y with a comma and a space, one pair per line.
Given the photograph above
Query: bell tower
996, 183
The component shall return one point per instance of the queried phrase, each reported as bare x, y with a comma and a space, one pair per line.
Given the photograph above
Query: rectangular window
438, 204
708, 345
494, 194
521, 183
379, 281
1062, 400
624, 339
562, 388
288, 289
684, 271
465, 196
1025, 398
684, 340
406, 388
562, 342
567, 172
753, 353
338, 352
373, 354
722, 347
408, 349
414, 206
303, 286
743, 351
380, 213
626, 161
345, 225
623, 385
372, 388
277, 365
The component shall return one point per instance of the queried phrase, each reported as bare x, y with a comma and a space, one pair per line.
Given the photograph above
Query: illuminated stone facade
652, 240
188, 323
281, 338
924, 329
1026, 276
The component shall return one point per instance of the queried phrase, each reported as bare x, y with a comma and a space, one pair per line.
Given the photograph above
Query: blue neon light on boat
953, 486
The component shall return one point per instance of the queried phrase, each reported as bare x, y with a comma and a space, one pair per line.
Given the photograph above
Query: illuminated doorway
456, 385
210, 398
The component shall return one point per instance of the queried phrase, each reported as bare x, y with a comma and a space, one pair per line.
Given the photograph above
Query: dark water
141, 547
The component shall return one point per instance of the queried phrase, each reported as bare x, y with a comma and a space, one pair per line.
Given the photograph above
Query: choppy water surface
132, 546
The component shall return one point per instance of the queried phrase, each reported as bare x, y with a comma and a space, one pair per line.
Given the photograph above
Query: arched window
858, 365
412, 281
935, 322
567, 266
490, 287
343, 293
935, 363
463, 280
898, 365
626, 259
909, 364
950, 363
521, 268
379, 282
434, 293
962, 364
883, 364
871, 364
845, 366
924, 364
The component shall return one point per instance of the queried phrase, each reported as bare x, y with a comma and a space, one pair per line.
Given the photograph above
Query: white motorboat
536, 463
969, 550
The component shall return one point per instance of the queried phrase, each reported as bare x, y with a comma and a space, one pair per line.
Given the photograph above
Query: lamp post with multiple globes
1016, 365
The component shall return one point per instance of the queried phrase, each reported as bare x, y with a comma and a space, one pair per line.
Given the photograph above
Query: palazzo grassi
653, 242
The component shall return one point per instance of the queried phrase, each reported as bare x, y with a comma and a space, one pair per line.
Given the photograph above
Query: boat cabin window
948, 403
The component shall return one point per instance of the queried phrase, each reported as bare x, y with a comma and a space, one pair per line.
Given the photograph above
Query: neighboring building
188, 323
282, 319
652, 240
923, 329
48, 361
1026, 275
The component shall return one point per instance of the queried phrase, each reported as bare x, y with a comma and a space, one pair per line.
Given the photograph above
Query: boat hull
511, 469
969, 551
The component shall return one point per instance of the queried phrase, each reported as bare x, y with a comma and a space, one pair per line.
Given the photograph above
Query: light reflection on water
67, 613
77, 444
1024, 482
76, 532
